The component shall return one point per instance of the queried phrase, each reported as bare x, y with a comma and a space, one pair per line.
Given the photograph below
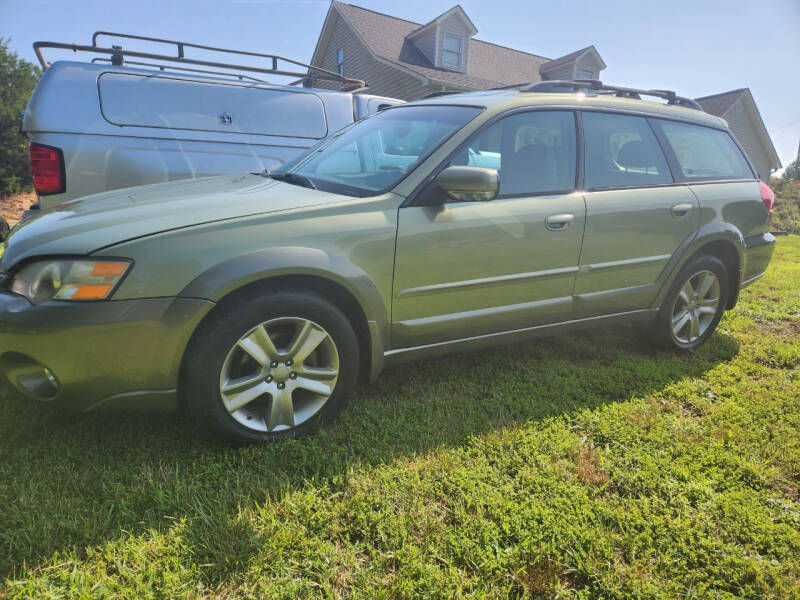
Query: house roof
573, 56
490, 65
718, 104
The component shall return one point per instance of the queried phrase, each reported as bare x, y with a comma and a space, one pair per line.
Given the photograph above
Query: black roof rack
240, 76
599, 88
308, 74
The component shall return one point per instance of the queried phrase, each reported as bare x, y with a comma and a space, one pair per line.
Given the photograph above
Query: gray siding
587, 63
356, 57
427, 44
566, 71
382, 79
743, 129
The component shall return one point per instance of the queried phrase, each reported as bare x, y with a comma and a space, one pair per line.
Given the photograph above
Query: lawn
584, 466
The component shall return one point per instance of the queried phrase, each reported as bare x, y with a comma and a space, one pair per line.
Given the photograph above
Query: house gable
383, 77
585, 63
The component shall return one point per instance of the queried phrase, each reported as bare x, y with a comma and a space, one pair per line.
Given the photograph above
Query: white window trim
460, 53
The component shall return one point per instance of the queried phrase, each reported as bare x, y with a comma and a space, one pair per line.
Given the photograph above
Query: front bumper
97, 355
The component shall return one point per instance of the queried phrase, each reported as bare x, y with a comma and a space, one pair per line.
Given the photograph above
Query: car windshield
373, 155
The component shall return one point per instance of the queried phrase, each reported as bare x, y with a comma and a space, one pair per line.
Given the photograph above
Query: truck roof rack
599, 88
307, 74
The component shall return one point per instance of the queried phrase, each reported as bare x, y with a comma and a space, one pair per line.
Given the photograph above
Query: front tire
270, 366
693, 306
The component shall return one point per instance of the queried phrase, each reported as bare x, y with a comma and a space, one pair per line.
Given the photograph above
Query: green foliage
787, 205
580, 467
792, 170
18, 77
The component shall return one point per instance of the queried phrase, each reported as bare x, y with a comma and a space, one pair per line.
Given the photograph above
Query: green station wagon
255, 302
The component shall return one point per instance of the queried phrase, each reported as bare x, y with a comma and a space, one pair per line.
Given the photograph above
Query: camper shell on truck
129, 117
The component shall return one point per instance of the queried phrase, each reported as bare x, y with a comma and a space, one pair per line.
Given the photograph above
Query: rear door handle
681, 210
559, 222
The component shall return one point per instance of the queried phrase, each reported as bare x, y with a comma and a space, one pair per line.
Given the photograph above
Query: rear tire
270, 366
693, 306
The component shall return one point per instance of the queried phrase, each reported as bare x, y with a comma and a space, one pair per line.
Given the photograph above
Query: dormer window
586, 74
452, 50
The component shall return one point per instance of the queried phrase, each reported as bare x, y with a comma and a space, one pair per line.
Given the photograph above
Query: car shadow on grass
70, 481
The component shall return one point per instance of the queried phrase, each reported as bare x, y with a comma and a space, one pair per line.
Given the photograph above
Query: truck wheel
270, 366
693, 306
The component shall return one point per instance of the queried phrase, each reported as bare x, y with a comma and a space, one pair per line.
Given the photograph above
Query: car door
464, 269
636, 217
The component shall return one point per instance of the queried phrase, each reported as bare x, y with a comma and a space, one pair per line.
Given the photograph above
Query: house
408, 60
739, 109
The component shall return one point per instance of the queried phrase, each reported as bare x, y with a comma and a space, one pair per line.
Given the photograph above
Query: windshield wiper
294, 178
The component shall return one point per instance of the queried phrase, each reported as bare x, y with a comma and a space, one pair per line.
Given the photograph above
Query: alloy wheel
695, 307
279, 374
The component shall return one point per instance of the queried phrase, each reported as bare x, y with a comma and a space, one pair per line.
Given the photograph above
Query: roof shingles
490, 65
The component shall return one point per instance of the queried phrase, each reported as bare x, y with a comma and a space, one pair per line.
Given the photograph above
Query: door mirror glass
469, 184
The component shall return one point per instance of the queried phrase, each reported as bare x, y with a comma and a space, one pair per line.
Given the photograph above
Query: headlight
69, 279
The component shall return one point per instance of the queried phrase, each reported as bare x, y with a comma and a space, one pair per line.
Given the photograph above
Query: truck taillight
47, 168
768, 197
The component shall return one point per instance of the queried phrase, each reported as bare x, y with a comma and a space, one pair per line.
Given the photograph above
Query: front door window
533, 152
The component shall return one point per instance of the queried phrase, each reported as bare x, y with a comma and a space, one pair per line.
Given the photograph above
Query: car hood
87, 224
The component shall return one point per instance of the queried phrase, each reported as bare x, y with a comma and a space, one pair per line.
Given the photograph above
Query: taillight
47, 168
768, 197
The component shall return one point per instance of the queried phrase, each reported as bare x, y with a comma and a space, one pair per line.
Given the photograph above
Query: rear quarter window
705, 153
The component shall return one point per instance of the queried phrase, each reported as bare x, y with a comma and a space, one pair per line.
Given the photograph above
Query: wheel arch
719, 239
333, 277
726, 251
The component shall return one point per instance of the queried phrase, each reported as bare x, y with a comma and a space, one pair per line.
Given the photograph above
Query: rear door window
622, 151
705, 153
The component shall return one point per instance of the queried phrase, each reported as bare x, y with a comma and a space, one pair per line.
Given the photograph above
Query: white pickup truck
130, 118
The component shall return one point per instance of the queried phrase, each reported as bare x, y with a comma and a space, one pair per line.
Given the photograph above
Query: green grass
585, 466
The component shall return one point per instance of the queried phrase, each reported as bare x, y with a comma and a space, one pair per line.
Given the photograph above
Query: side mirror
469, 184
4, 229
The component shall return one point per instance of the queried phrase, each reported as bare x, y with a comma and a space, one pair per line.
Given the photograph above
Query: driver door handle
559, 222
681, 210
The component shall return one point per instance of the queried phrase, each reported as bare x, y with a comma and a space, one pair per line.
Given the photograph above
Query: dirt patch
787, 326
589, 466
12, 207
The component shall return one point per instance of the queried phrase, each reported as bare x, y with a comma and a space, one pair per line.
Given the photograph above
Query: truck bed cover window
165, 102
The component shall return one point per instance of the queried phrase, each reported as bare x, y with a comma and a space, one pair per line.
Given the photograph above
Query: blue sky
694, 47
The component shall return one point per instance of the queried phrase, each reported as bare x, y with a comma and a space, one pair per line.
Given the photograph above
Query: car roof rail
599, 88
438, 94
277, 65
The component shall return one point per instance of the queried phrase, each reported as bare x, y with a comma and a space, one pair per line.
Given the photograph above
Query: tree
792, 170
18, 77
